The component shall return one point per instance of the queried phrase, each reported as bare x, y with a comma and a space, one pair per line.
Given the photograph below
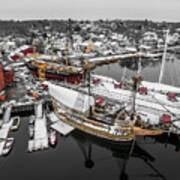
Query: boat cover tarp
70, 98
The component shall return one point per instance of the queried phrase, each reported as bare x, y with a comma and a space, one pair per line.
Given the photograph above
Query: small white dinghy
52, 138
16, 123
31, 119
31, 131
8, 146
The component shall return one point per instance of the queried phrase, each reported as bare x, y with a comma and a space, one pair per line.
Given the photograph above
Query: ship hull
72, 77
52, 71
105, 136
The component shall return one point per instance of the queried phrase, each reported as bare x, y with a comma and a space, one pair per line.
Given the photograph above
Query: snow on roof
70, 98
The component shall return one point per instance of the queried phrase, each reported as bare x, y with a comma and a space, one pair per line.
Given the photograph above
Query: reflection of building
121, 153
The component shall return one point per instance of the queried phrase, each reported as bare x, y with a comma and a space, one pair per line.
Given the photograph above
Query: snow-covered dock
59, 125
109, 59
40, 140
113, 58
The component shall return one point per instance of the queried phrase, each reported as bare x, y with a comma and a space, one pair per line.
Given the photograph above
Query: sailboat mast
69, 39
67, 51
52, 48
139, 65
163, 58
89, 92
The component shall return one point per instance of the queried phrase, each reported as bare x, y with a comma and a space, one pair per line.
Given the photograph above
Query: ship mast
68, 38
136, 80
89, 92
163, 58
52, 44
139, 63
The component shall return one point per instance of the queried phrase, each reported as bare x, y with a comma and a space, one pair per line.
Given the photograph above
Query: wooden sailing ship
97, 116
57, 71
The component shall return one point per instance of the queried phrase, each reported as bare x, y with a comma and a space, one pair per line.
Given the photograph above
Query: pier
40, 139
60, 126
113, 58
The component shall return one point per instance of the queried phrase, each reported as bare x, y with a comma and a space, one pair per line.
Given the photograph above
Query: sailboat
95, 115
57, 71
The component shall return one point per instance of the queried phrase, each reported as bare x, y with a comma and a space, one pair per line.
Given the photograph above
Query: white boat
31, 119
16, 123
52, 138
31, 131
8, 146
30, 146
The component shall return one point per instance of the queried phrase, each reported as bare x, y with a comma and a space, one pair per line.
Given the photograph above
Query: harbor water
80, 156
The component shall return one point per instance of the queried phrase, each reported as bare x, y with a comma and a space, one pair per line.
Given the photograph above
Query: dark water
80, 156
150, 70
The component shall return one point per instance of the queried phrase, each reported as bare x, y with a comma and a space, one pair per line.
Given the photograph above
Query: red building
6, 77
2, 84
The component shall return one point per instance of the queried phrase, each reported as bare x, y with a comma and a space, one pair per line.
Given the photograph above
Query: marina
99, 99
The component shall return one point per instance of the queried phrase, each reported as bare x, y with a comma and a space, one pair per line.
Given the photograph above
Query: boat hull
97, 133
147, 132
34, 68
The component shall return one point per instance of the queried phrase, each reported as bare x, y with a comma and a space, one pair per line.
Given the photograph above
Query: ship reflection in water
123, 153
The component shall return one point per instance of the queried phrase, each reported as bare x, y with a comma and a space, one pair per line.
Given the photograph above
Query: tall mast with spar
163, 58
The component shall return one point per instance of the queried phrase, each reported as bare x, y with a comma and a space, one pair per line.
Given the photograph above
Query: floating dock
60, 126
40, 140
